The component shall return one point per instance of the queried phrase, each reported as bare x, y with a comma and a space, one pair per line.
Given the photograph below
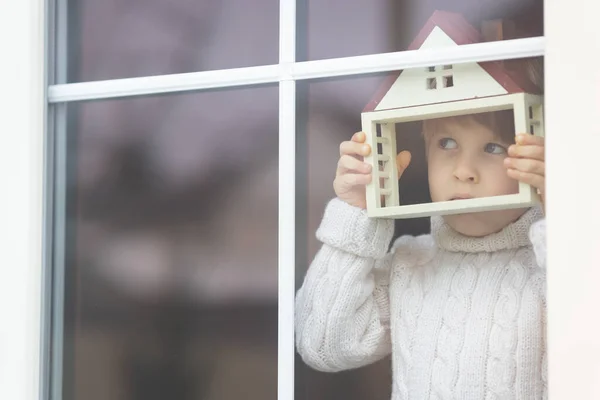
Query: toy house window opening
534, 118
380, 162
531, 127
385, 156
441, 74
431, 83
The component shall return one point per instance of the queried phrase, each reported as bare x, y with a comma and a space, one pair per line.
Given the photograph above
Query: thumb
402, 160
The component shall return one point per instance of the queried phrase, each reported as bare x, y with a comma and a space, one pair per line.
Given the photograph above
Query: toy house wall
468, 81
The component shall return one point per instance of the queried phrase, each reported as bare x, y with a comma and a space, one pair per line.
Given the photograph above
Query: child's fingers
349, 163
527, 151
528, 139
402, 161
354, 149
526, 165
535, 180
359, 137
349, 181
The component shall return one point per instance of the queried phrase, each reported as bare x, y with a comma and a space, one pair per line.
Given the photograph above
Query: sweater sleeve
537, 235
342, 308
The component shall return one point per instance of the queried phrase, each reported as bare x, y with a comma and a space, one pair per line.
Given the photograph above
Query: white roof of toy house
421, 86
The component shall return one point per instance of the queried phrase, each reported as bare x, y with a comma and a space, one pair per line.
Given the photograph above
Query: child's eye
494, 148
447, 143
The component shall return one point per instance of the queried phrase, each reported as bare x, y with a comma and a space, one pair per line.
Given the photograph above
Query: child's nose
466, 172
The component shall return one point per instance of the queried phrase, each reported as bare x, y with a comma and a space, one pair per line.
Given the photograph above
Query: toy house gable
444, 83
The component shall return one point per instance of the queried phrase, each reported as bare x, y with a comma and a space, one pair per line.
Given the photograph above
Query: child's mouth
461, 197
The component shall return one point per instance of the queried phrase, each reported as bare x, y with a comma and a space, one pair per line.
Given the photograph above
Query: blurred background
171, 250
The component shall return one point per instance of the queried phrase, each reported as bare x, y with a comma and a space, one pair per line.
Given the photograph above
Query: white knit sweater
464, 318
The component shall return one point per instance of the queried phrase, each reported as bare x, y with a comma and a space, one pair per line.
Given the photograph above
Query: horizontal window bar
479, 52
163, 84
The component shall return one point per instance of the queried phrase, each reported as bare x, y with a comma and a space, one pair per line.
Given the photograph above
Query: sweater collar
513, 236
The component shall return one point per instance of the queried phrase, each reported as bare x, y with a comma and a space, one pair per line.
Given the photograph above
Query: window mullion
287, 201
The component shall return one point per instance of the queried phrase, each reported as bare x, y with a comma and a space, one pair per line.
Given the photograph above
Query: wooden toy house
441, 91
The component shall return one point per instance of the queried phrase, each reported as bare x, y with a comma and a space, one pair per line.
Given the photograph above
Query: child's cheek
439, 174
502, 184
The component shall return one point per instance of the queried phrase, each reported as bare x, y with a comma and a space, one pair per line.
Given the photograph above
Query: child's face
465, 160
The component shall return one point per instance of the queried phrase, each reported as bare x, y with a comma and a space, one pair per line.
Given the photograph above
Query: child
462, 310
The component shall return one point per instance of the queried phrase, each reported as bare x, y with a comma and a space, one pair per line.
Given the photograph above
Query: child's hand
353, 174
526, 162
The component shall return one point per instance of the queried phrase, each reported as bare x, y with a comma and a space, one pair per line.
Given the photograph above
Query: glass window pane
330, 113
337, 28
171, 247
122, 39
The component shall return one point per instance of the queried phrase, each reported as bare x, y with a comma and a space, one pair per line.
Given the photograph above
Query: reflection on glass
336, 28
122, 39
172, 247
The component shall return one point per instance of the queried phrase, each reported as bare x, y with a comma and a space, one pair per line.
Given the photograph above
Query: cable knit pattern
350, 229
411, 290
502, 368
452, 333
464, 318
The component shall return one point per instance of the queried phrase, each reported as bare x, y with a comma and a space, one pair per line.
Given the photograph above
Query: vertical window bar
56, 134
287, 31
287, 204
57, 241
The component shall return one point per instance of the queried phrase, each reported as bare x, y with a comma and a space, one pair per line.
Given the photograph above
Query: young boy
462, 310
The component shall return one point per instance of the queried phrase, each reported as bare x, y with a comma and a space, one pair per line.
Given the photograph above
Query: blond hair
501, 123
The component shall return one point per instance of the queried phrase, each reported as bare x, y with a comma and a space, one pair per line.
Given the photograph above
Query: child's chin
467, 225
481, 224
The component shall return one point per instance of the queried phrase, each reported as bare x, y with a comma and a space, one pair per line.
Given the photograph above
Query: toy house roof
457, 31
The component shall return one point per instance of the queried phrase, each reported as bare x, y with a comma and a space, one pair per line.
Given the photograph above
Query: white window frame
571, 47
23, 124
